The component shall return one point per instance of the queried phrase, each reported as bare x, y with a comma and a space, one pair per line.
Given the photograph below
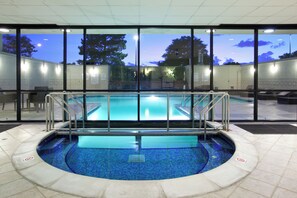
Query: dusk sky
227, 47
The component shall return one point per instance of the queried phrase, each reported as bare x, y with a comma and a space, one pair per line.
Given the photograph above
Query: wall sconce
58, 70
24, 66
273, 68
252, 70
207, 72
94, 72
43, 68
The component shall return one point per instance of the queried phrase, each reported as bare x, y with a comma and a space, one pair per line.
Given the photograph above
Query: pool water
125, 108
136, 157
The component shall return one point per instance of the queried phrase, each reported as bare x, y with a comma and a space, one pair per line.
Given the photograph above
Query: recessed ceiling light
45, 39
231, 39
67, 30
39, 44
208, 31
267, 31
4, 30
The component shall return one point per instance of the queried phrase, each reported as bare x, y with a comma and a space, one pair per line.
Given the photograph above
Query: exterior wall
7, 71
280, 74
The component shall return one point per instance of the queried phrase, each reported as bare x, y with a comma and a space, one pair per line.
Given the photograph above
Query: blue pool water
152, 107
136, 157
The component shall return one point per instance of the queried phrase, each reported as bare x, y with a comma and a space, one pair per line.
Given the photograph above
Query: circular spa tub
30, 165
136, 157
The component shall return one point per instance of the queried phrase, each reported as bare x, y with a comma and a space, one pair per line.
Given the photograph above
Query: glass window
41, 69
165, 59
111, 59
201, 60
8, 105
41, 59
278, 60
74, 59
8, 59
233, 59
277, 105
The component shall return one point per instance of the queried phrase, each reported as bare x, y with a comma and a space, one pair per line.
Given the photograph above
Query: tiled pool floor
274, 176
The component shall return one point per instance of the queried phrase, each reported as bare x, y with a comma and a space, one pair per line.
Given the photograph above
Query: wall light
273, 68
58, 70
24, 66
207, 72
268, 31
43, 68
94, 71
5, 30
252, 70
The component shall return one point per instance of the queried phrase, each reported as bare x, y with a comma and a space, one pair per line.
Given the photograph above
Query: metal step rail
225, 112
80, 104
196, 104
50, 116
215, 97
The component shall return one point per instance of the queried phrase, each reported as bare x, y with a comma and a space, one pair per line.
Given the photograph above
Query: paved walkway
274, 176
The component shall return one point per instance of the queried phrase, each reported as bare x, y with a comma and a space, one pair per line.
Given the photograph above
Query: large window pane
8, 97
201, 60
110, 59
41, 59
41, 69
8, 60
241, 106
233, 59
74, 60
275, 105
165, 59
278, 60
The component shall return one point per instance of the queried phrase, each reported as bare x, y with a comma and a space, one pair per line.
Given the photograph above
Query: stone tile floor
274, 176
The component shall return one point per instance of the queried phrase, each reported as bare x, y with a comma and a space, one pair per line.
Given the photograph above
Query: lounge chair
8, 97
287, 97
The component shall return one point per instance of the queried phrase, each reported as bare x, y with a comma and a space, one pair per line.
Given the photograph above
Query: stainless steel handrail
217, 97
81, 106
49, 114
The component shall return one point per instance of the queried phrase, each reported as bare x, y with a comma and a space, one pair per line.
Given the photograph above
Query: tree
178, 53
104, 49
288, 55
9, 45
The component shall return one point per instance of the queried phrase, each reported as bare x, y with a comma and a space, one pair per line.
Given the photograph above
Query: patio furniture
8, 97
287, 97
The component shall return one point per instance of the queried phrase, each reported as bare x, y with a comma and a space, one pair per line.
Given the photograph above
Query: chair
7, 97
37, 98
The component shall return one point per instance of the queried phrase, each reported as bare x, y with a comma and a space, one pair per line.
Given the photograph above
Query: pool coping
28, 163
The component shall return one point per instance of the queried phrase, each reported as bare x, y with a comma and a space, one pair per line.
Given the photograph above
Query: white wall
280, 74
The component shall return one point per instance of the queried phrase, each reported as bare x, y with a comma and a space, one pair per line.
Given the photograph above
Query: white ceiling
148, 12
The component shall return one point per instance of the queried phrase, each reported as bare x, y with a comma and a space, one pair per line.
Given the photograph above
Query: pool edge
243, 161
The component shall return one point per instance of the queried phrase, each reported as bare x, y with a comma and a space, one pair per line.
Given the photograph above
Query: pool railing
210, 100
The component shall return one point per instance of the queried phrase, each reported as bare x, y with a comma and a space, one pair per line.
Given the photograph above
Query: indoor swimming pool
136, 157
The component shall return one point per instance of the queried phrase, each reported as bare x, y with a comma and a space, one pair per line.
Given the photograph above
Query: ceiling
148, 12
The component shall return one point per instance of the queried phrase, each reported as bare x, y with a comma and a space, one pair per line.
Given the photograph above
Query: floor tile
9, 177
283, 193
243, 193
257, 186
288, 184
32, 193
15, 187
264, 176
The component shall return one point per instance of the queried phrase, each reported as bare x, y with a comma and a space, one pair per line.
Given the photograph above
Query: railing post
108, 112
168, 109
